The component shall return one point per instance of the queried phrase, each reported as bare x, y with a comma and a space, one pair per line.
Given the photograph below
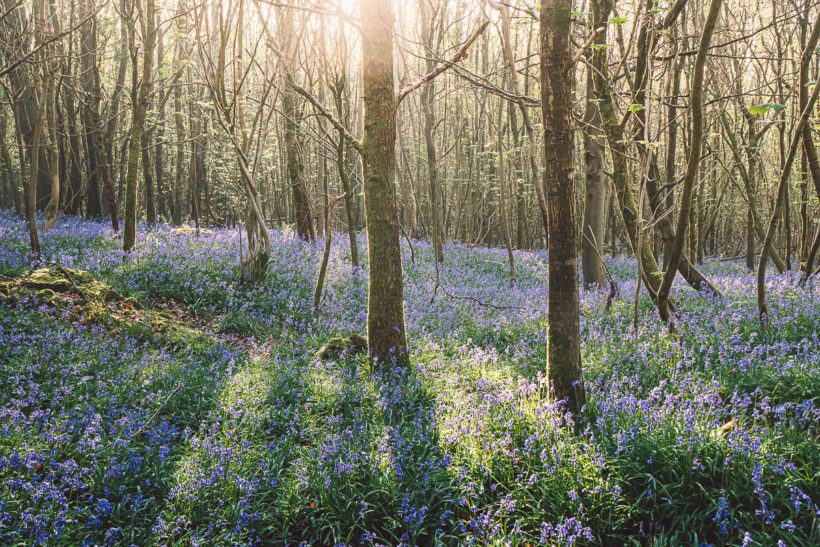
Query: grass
156, 426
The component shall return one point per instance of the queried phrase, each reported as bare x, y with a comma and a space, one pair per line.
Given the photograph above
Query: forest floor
158, 401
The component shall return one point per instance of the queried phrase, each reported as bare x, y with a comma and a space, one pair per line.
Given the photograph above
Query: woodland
409, 272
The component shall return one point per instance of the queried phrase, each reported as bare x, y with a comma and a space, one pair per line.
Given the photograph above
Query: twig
585, 45
472, 299
445, 65
142, 429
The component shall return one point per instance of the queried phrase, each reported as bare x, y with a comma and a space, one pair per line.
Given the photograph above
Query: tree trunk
148, 178
563, 345
385, 307
525, 115
338, 90
138, 123
693, 164
427, 95
799, 133
502, 191
627, 205
14, 199
179, 173
596, 193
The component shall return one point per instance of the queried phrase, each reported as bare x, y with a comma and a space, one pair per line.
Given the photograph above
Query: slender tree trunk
296, 168
52, 152
30, 189
809, 149
179, 173
99, 172
596, 192
138, 124
13, 188
525, 115
502, 191
148, 178
627, 205
341, 167
427, 96
695, 146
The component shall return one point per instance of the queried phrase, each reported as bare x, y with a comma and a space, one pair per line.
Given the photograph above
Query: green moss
46, 294
70, 280
354, 344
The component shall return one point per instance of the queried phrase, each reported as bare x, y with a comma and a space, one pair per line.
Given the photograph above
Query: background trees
213, 112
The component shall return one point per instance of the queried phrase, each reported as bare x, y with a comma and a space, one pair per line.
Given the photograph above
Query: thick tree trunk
563, 346
385, 307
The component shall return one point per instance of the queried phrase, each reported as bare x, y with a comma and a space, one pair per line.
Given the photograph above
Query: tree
595, 196
563, 346
431, 24
98, 168
386, 336
695, 147
140, 97
291, 116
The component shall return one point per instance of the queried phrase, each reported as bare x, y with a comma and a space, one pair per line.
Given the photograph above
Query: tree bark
595, 193
138, 122
563, 346
385, 306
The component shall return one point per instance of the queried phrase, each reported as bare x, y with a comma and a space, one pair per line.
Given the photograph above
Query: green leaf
761, 109
618, 20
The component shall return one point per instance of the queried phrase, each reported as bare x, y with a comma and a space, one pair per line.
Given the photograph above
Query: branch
483, 83
51, 39
672, 13
586, 45
355, 143
460, 54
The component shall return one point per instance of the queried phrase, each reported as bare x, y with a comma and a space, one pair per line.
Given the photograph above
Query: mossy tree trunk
564, 349
147, 17
385, 306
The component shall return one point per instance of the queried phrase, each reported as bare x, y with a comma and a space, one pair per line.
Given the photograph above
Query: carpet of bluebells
238, 435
